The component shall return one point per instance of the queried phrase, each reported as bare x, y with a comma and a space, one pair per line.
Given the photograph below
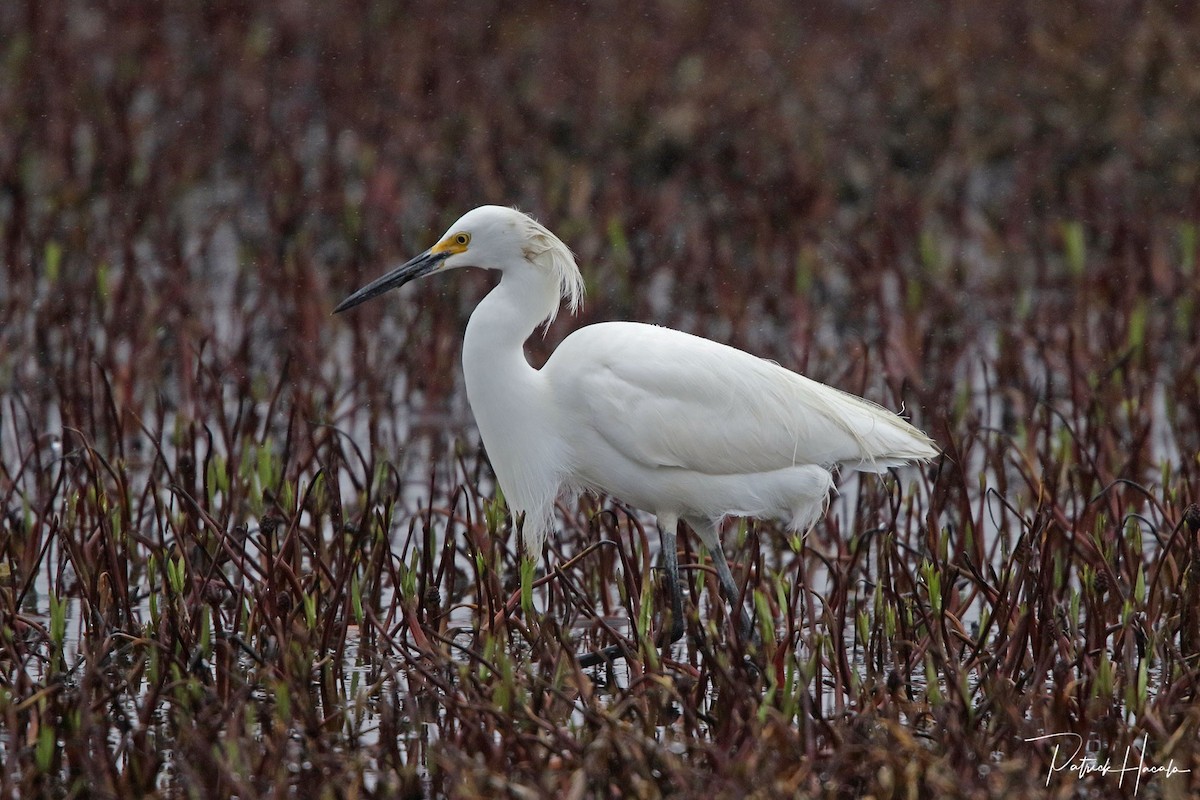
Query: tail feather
892, 445
882, 438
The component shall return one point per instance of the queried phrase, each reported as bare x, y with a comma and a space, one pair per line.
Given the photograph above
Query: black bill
408, 271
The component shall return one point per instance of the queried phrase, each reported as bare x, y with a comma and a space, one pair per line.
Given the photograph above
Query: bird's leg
730, 588
670, 557
675, 630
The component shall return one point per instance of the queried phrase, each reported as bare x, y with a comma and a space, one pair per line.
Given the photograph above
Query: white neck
511, 312
510, 400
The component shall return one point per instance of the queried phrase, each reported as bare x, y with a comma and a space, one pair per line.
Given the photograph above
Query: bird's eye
462, 239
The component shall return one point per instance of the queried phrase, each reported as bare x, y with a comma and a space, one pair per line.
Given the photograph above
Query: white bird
670, 423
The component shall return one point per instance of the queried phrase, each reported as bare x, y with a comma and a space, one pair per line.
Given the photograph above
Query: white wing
669, 399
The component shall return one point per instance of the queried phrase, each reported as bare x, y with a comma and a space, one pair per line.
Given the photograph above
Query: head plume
547, 251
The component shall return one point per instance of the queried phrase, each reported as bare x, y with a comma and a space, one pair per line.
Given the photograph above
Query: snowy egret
671, 423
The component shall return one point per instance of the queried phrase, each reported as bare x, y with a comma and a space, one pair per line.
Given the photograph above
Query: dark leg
675, 629
711, 539
730, 588
670, 557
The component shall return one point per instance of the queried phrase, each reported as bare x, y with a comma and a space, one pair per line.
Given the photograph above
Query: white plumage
671, 423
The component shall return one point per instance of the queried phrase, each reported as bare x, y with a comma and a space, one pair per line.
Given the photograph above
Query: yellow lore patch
453, 244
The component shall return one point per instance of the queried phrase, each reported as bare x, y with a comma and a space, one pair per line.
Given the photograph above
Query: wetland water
435, 457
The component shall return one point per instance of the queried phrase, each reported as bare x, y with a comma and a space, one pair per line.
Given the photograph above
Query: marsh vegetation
248, 549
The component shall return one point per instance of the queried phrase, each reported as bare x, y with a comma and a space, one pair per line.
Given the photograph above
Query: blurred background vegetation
763, 172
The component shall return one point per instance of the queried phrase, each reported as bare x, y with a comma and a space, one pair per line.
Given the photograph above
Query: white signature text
1132, 765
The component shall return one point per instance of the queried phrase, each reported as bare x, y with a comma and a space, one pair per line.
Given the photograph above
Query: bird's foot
605, 655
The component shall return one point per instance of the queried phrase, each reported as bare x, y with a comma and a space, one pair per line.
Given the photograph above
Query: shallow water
429, 448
